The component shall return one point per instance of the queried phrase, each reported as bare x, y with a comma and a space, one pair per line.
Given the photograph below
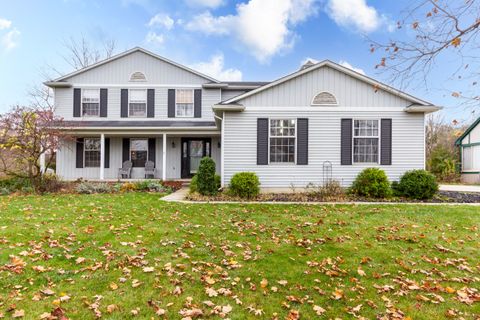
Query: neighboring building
469, 143
138, 106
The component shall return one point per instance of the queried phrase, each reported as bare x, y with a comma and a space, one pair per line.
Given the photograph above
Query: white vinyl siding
471, 158
120, 71
348, 91
64, 104
67, 170
324, 145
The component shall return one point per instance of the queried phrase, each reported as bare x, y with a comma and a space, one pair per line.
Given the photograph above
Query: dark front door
193, 150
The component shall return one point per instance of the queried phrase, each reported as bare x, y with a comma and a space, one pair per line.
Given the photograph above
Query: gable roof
123, 54
333, 65
474, 124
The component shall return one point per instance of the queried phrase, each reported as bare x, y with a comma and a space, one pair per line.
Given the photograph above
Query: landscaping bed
440, 197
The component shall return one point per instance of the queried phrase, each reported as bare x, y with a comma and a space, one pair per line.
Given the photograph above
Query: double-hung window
90, 102
92, 152
184, 103
366, 137
137, 105
282, 140
138, 152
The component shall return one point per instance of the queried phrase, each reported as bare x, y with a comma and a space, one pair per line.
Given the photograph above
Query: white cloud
161, 20
5, 24
356, 14
215, 69
10, 39
349, 66
264, 27
208, 24
155, 38
206, 3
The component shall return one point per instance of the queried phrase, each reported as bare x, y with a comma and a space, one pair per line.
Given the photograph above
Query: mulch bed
440, 197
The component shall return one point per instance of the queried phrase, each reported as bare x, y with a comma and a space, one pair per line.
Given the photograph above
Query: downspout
222, 148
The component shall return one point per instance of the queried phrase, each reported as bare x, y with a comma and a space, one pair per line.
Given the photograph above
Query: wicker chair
149, 170
125, 171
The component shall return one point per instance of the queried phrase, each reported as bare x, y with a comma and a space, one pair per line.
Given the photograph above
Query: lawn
123, 255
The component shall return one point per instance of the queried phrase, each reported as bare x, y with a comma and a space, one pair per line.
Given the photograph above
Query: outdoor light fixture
173, 144
219, 144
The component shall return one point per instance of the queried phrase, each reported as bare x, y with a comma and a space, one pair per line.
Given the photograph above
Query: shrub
90, 188
50, 183
16, 184
245, 185
418, 184
149, 185
443, 163
194, 183
173, 185
329, 191
206, 184
128, 186
4, 191
373, 183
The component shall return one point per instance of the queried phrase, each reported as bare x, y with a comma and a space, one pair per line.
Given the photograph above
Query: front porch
98, 156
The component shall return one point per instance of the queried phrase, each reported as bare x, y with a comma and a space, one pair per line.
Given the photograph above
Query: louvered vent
138, 76
324, 98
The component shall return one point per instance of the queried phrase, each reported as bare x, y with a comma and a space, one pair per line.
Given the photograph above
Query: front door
193, 150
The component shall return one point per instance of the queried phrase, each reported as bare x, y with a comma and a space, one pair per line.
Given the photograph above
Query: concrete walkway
459, 188
177, 196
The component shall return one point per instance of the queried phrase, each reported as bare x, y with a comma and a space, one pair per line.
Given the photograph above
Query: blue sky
231, 40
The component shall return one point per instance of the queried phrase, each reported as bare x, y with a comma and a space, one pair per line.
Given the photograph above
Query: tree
440, 28
26, 135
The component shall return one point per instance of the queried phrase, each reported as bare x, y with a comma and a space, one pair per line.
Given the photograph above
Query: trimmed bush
90, 188
150, 186
194, 183
245, 185
372, 183
50, 183
418, 184
206, 184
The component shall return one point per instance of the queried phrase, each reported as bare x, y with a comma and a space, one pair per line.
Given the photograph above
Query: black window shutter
262, 141
151, 103
386, 142
302, 141
197, 103
125, 149
79, 153
151, 149
107, 153
77, 102
346, 142
171, 103
103, 103
124, 103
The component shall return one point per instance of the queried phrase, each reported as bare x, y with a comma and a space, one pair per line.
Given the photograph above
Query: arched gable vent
324, 98
138, 76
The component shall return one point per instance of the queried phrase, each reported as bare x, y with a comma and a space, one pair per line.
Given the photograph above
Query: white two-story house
137, 107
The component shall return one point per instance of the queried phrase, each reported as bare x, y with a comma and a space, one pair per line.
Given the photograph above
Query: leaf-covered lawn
118, 256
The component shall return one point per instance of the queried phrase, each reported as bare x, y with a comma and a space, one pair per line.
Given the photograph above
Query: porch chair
149, 169
125, 171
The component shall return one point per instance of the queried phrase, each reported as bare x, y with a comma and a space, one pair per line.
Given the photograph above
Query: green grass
417, 250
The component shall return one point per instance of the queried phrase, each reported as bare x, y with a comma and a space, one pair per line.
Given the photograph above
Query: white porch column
42, 163
164, 157
102, 156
